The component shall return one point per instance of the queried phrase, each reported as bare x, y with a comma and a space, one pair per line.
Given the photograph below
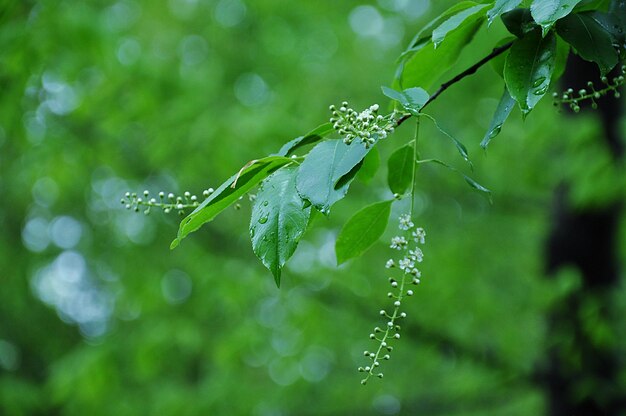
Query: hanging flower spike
408, 275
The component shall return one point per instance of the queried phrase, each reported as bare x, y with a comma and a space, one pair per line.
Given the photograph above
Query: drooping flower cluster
167, 202
367, 126
590, 93
409, 275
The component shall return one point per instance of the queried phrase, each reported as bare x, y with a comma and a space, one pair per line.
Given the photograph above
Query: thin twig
469, 71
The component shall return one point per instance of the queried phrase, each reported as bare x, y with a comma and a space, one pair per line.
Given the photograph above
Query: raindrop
538, 82
495, 131
263, 220
265, 203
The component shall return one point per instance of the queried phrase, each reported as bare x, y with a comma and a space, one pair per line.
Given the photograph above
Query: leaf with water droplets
228, 193
528, 68
362, 230
502, 113
327, 171
587, 33
422, 64
547, 12
439, 34
278, 220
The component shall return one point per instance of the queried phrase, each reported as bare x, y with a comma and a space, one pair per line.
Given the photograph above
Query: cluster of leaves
291, 186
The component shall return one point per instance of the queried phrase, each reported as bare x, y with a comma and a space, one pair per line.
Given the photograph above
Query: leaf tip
174, 243
276, 273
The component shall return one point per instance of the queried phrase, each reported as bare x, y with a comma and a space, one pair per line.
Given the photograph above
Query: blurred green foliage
98, 317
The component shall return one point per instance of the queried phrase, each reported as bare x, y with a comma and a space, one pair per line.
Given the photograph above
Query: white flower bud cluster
590, 93
409, 274
167, 202
366, 126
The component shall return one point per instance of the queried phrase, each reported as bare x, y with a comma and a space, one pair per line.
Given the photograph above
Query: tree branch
469, 71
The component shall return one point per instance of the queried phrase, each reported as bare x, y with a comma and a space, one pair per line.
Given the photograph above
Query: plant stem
469, 71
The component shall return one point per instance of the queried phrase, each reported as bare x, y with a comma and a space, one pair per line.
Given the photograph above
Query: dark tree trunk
582, 373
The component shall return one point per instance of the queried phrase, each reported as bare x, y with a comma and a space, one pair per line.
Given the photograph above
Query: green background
99, 317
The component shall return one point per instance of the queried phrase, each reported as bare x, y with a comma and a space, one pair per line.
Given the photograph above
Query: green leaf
590, 39
228, 193
370, 166
519, 22
400, 169
422, 67
502, 113
501, 6
614, 23
547, 12
326, 173
460, 147
618, 11
528, 68
424, 36
590, 5
362, 231
455, 21
412, 99
278, 220
560, 60
471, 182
497, 63
311, 137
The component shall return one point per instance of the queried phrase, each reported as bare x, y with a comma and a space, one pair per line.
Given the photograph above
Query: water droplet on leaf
538, 82
495, 131
263, 220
